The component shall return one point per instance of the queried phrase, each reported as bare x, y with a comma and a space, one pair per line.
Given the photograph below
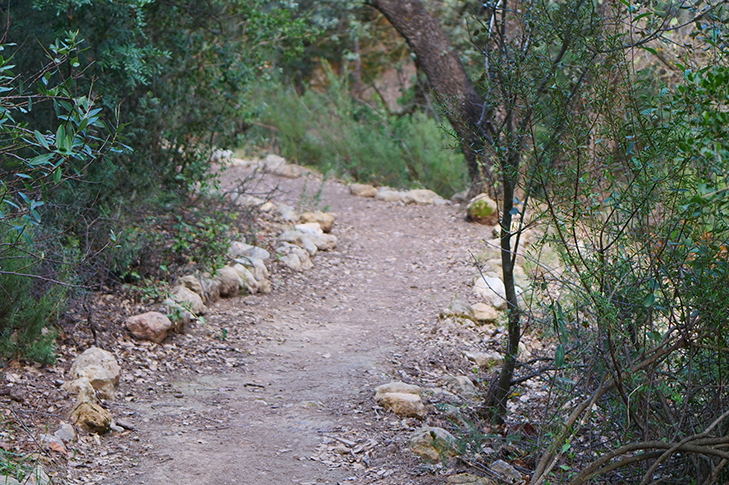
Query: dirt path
306, 357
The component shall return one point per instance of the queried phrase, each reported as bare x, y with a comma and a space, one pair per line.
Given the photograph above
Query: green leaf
41, 159
41, 139
60, 136
57, 175
649, 300
559, 356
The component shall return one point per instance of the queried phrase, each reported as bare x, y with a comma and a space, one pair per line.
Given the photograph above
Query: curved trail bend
323, 340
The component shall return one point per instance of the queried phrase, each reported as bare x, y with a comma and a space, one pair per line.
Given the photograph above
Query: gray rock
100, 368
460, 385
461, 308
65, 433
387, 194
287, 213
507, 472
460, 197
288, 171
152, 326
363, 190
492, 290
273, 162
311, 241
239, 249
432, 444
37, 476
300, 239
294, 257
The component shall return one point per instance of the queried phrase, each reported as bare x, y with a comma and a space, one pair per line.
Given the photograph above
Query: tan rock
432, 444
468, 479
485, 313
421, 196
191, 282
100, 368
396, 386
229, 280
363, 190
404, 405
483, 210
324, 219
91, 416
507, 472
152, 326
188, 299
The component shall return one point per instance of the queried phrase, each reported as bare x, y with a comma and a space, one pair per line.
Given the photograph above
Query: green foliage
636, 203
28, 307
333, 131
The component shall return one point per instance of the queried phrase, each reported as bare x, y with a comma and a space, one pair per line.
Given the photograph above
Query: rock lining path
327, 338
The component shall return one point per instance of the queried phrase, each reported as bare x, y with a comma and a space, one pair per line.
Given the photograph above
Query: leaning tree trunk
444, 70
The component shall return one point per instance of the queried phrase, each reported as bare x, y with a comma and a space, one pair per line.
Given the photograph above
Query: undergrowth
333, 131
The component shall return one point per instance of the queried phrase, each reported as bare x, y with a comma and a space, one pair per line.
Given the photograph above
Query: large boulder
324, 219
363, 190
257, 268
432, 444
152, 326
100, 368
483, 210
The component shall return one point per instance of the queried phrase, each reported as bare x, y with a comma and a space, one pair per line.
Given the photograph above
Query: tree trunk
444, 70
